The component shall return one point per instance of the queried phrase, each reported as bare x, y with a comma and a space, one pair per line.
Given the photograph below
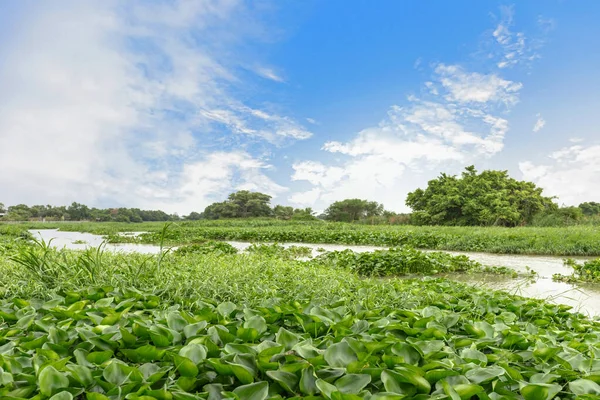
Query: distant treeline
489, 198
81, 212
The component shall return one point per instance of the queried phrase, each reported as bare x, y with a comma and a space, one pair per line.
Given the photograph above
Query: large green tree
352, 210
241, 204
487, 198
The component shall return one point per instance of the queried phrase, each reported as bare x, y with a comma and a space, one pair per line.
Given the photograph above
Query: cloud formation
539, 123
570, 173
515, 47
460, 121
110, 103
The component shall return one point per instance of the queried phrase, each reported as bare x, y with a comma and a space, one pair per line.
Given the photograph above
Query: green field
566, 241
206, 322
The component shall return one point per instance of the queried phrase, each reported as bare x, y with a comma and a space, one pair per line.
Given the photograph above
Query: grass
565, 241
206, 323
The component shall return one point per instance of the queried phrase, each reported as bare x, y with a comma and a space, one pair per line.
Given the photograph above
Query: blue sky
174, 104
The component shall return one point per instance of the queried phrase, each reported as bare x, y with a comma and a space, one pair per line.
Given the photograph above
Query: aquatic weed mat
110, 344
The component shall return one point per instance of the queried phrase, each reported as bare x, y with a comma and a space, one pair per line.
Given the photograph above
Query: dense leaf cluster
397, 261
488, 198
104, 344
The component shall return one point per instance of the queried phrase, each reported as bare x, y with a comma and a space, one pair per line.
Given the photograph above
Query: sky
174, 104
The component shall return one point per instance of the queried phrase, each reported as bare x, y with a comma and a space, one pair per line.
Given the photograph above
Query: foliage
81, 212
128, 344
210, 246
297, 214
563, 216
590, 208
276, 250
397, 261
587, 271
241, 204
353, 210
488, 198
252, 326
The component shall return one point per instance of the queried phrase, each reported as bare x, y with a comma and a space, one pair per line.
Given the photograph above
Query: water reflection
82, 241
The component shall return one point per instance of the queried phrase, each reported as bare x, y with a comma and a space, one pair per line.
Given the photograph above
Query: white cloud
461, 123
539, 123
269, 73
218, 175
111, 104
465, 87
515, 47
572, 174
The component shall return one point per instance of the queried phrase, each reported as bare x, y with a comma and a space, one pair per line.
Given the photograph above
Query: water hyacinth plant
102, 343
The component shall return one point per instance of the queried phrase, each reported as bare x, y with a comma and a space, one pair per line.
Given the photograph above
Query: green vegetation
397, 262
246, 204
488, 198
578, 240
587, 271
205, 324
350, 210
79, 212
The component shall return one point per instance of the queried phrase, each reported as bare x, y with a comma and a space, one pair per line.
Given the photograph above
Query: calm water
583, 298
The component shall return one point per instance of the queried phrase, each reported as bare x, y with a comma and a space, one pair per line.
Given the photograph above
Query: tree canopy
590, 208
488, 198
353, 210
80, 212
241, 204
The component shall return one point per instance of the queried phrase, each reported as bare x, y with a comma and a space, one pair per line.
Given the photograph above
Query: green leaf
540, 391
308, 381
99, 357
185, 366
81, 374
409, 376
193, 329
225, 309
287, 380
243, 373
194, 351
175, 321
64, 395
253, 391
584, 386
339, 355
352, 383
327, 389
393, 385
51, 381
116, 373
286, 338
480, 375
257, 322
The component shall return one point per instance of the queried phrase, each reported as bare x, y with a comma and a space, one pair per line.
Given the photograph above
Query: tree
352, 210
2, 209
590, 208
241, 204
489, 198
20, 212
193, 216
283, 212
251, 204
78, 212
